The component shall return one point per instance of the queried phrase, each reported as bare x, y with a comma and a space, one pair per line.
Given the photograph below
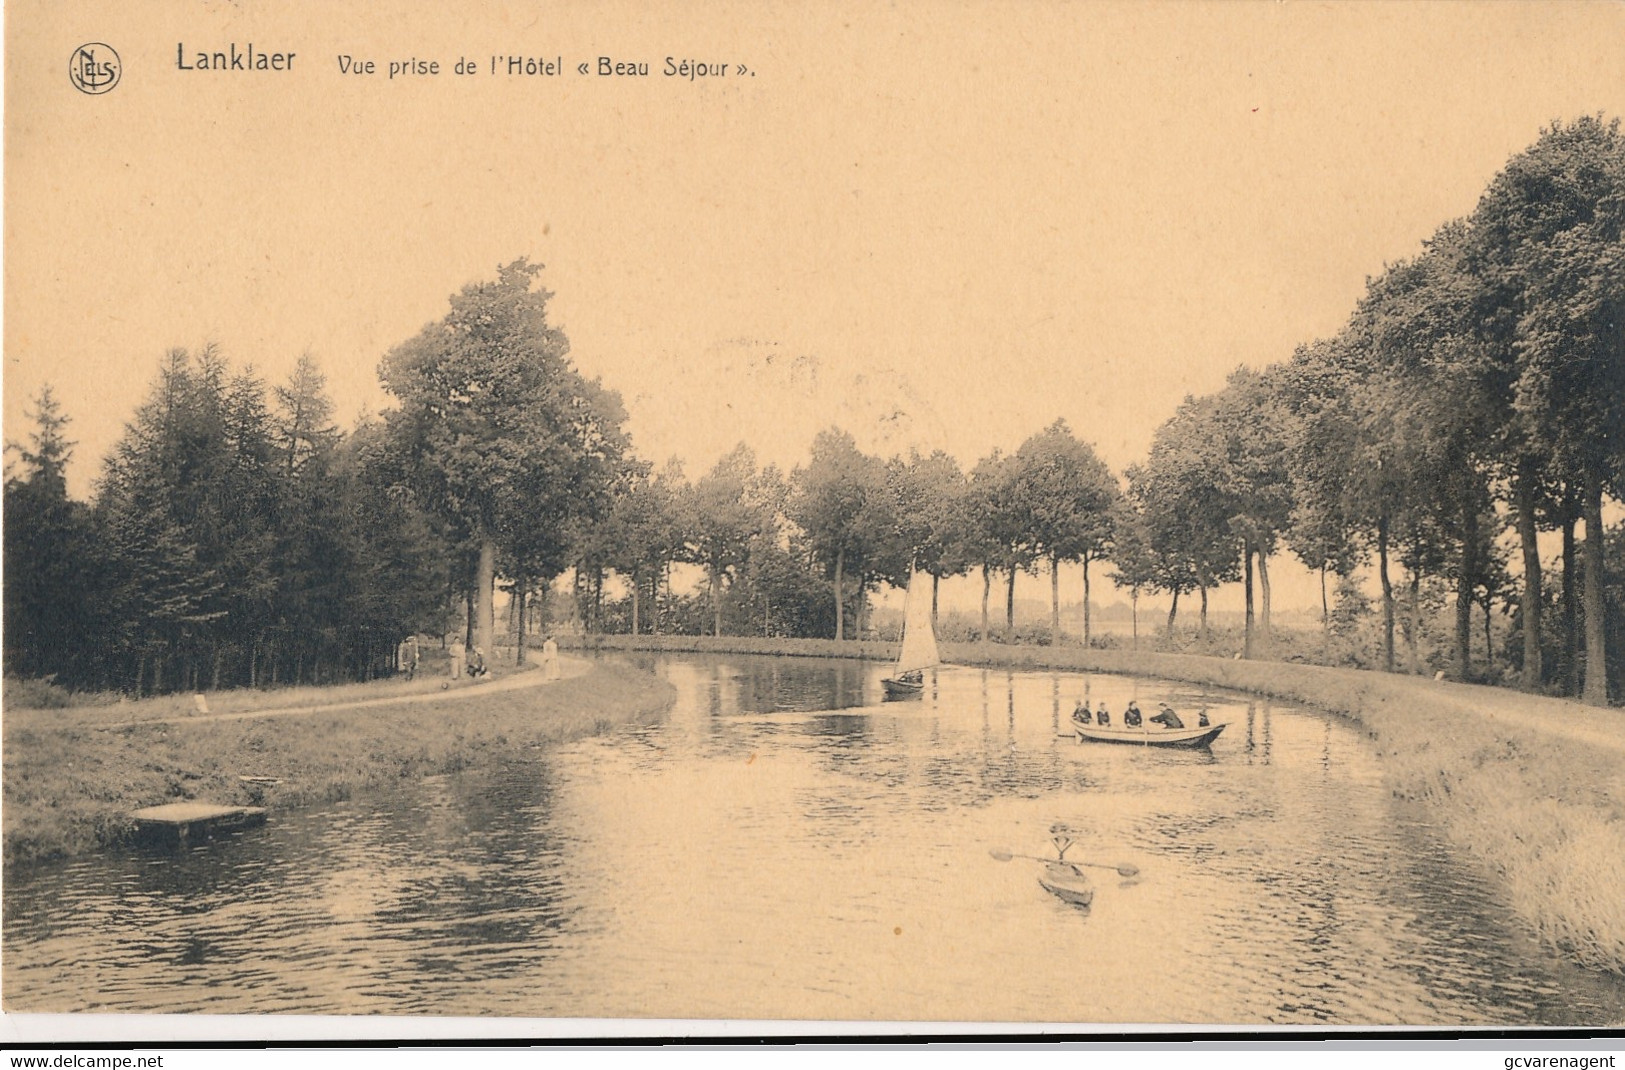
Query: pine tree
49, 572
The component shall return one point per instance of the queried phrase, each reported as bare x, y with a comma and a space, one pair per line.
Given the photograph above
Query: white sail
919, 638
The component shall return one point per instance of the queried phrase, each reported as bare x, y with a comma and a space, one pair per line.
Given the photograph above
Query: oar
1124, 869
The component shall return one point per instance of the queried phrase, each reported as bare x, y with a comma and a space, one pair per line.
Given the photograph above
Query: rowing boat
1068, 882
1147, 736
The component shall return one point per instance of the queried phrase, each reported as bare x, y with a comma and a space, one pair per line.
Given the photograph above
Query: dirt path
568, 667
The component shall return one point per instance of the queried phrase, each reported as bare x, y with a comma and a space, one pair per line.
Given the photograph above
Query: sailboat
919, 644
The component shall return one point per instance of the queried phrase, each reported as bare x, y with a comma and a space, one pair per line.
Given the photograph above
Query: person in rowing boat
1131, 716
1080, 713
1167, 717
1201, 719
1102, 718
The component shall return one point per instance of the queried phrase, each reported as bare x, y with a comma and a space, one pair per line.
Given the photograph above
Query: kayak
1148, 735
1068, 882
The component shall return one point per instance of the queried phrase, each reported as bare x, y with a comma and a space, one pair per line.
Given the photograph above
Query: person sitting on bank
1080, 713
1102, 718
476, 662
1167, 717
1131, 716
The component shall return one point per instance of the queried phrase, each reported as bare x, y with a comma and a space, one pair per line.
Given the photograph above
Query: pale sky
935, 224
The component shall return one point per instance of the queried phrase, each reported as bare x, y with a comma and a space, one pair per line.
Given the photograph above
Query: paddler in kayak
1167, 717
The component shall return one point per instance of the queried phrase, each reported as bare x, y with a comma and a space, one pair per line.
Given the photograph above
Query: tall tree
1324, 435
1252, 421
1164, 549
304, 426
391, 558
1417, 321
1064, 496
49, 556
501, 430
997, 532
645, 532
1553, 221
721, 516
846, 509
158, 506
929, 491
1230, 449
1185, 507
1135, 563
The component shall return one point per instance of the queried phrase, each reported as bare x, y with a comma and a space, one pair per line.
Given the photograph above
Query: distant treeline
1475, 399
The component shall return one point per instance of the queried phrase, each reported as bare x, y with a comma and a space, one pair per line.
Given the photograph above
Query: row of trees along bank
1478, 385
237, 538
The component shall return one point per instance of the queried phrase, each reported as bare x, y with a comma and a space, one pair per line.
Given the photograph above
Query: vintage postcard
715, 518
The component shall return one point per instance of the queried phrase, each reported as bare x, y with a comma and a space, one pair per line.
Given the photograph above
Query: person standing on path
457, 652
550, 659
407, 656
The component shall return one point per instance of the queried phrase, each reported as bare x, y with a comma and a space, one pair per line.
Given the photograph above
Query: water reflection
784, 844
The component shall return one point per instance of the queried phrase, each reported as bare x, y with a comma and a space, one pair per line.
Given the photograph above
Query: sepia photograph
725, 519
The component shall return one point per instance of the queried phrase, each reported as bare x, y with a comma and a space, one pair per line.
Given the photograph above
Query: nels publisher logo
94, 68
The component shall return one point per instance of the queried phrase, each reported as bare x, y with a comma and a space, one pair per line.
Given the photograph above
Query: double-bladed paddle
1124, 869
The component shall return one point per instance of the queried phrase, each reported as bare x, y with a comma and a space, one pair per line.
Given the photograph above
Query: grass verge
1534, 786
432, 673
70, 781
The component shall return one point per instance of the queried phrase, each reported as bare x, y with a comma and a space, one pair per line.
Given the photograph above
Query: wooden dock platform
185, 820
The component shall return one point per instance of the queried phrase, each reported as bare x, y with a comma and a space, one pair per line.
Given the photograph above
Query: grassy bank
1534, 786
432, 672
72, 776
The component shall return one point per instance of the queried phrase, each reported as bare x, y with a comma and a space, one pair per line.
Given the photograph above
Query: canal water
782, 845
